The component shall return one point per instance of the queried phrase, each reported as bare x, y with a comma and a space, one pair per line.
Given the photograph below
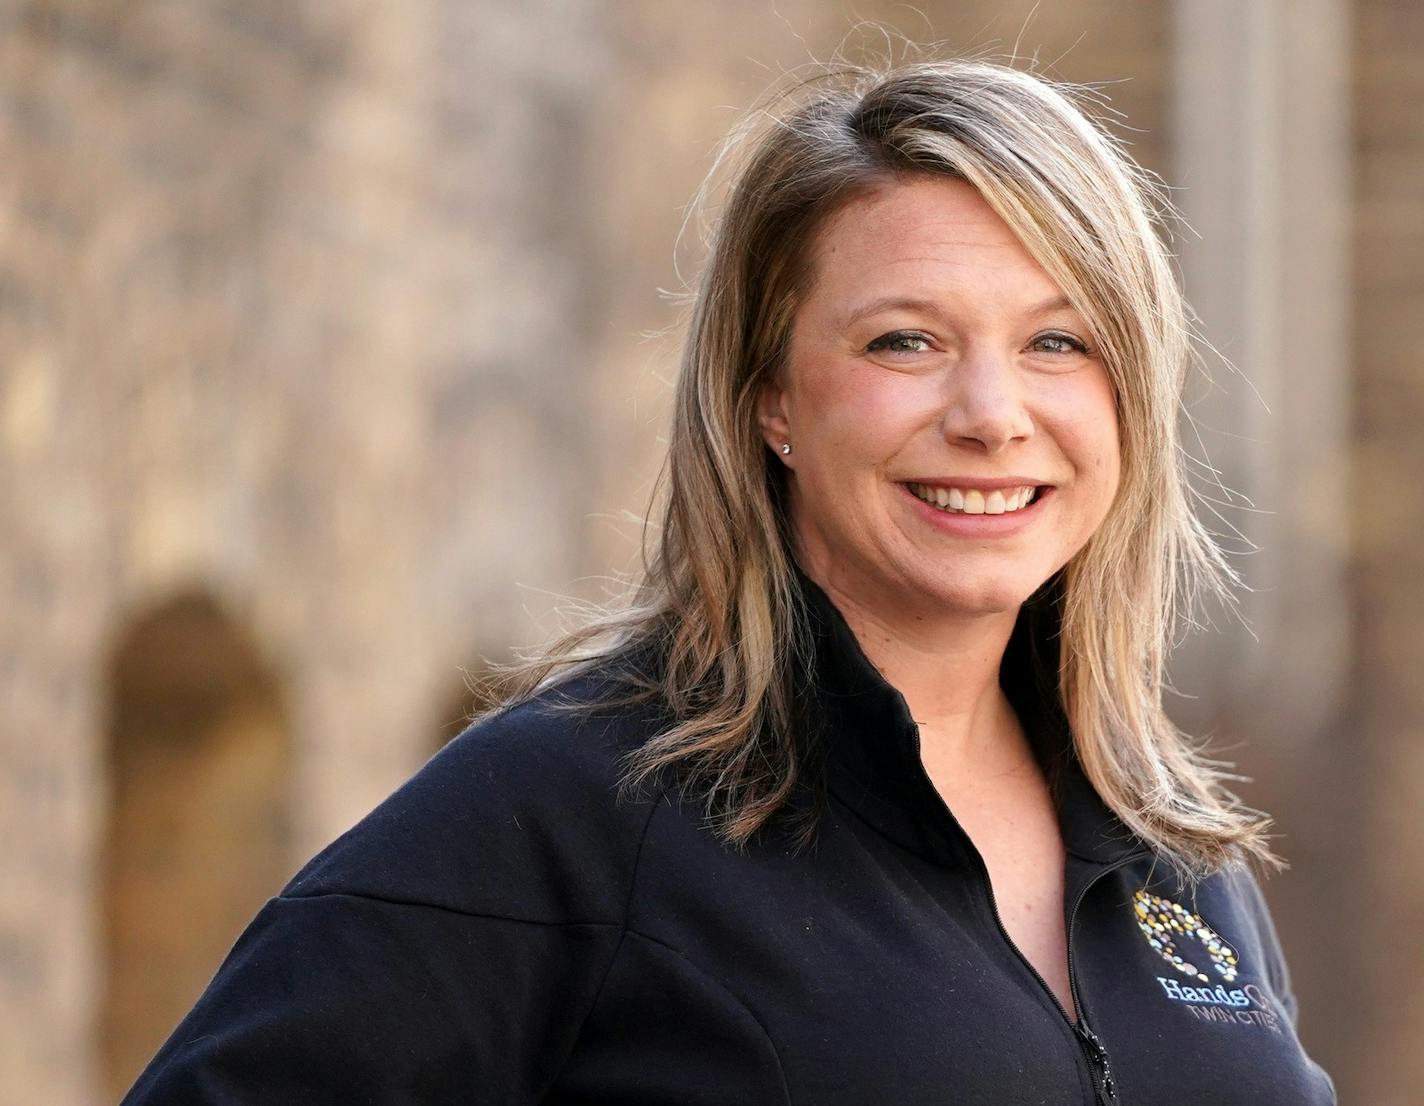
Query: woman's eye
1058, 343
900, 341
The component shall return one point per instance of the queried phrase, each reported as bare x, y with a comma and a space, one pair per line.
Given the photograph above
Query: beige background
332, 353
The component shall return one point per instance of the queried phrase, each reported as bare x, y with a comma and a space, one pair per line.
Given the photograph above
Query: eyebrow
930, 307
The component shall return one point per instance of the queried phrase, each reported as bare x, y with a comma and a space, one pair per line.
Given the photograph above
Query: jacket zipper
1104, 1086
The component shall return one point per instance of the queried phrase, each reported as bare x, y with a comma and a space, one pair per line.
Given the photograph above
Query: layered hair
718, 599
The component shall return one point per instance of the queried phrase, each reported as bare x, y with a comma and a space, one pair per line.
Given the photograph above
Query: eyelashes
1068, 343
914, 341
888, 342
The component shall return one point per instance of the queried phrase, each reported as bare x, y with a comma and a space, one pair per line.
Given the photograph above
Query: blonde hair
717, 601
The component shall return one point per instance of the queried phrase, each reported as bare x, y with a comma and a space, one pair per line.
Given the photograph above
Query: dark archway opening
198, 827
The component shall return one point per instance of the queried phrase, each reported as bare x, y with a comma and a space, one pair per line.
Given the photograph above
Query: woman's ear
772, 417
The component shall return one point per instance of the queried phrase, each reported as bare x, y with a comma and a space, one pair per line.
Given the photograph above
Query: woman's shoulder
518, 816
1244, 884
455, 937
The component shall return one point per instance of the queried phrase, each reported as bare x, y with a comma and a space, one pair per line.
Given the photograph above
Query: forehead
922, 234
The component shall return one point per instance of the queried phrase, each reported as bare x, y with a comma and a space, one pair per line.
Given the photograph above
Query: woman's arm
346, 998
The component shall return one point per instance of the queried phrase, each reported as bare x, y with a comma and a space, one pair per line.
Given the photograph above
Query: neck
946, 668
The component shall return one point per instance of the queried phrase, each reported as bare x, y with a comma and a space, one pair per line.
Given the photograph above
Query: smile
972, 501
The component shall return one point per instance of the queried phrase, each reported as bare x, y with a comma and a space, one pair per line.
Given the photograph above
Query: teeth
971, 501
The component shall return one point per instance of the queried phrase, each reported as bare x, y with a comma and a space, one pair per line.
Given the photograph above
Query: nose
985, 407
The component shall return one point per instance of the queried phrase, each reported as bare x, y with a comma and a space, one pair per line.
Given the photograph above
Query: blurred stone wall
341, 322
296, 303
1373, 1002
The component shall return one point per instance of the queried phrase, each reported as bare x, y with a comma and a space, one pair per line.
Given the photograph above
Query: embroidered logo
1168, 926
1184, 940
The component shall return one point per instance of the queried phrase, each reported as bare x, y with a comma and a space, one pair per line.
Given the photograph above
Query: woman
869, 797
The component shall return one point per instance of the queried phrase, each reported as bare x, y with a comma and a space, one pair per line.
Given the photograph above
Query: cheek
1101, 448
1110, 437
1097, 434
1086, 423
859, 413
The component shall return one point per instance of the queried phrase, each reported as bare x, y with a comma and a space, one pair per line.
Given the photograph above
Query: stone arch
198, 830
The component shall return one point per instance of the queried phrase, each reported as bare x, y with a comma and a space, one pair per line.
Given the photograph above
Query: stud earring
785, 448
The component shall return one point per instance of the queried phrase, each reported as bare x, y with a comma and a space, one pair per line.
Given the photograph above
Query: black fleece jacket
502, 930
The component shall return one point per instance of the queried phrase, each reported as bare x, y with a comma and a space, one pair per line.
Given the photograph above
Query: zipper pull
1098, 1055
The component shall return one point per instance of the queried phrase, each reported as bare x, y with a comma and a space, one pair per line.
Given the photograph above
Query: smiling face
934, 360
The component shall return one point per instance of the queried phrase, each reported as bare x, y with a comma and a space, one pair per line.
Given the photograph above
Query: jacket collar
872, 748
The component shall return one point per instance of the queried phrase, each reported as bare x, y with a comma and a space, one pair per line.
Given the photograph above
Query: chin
977, 596
988, 602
